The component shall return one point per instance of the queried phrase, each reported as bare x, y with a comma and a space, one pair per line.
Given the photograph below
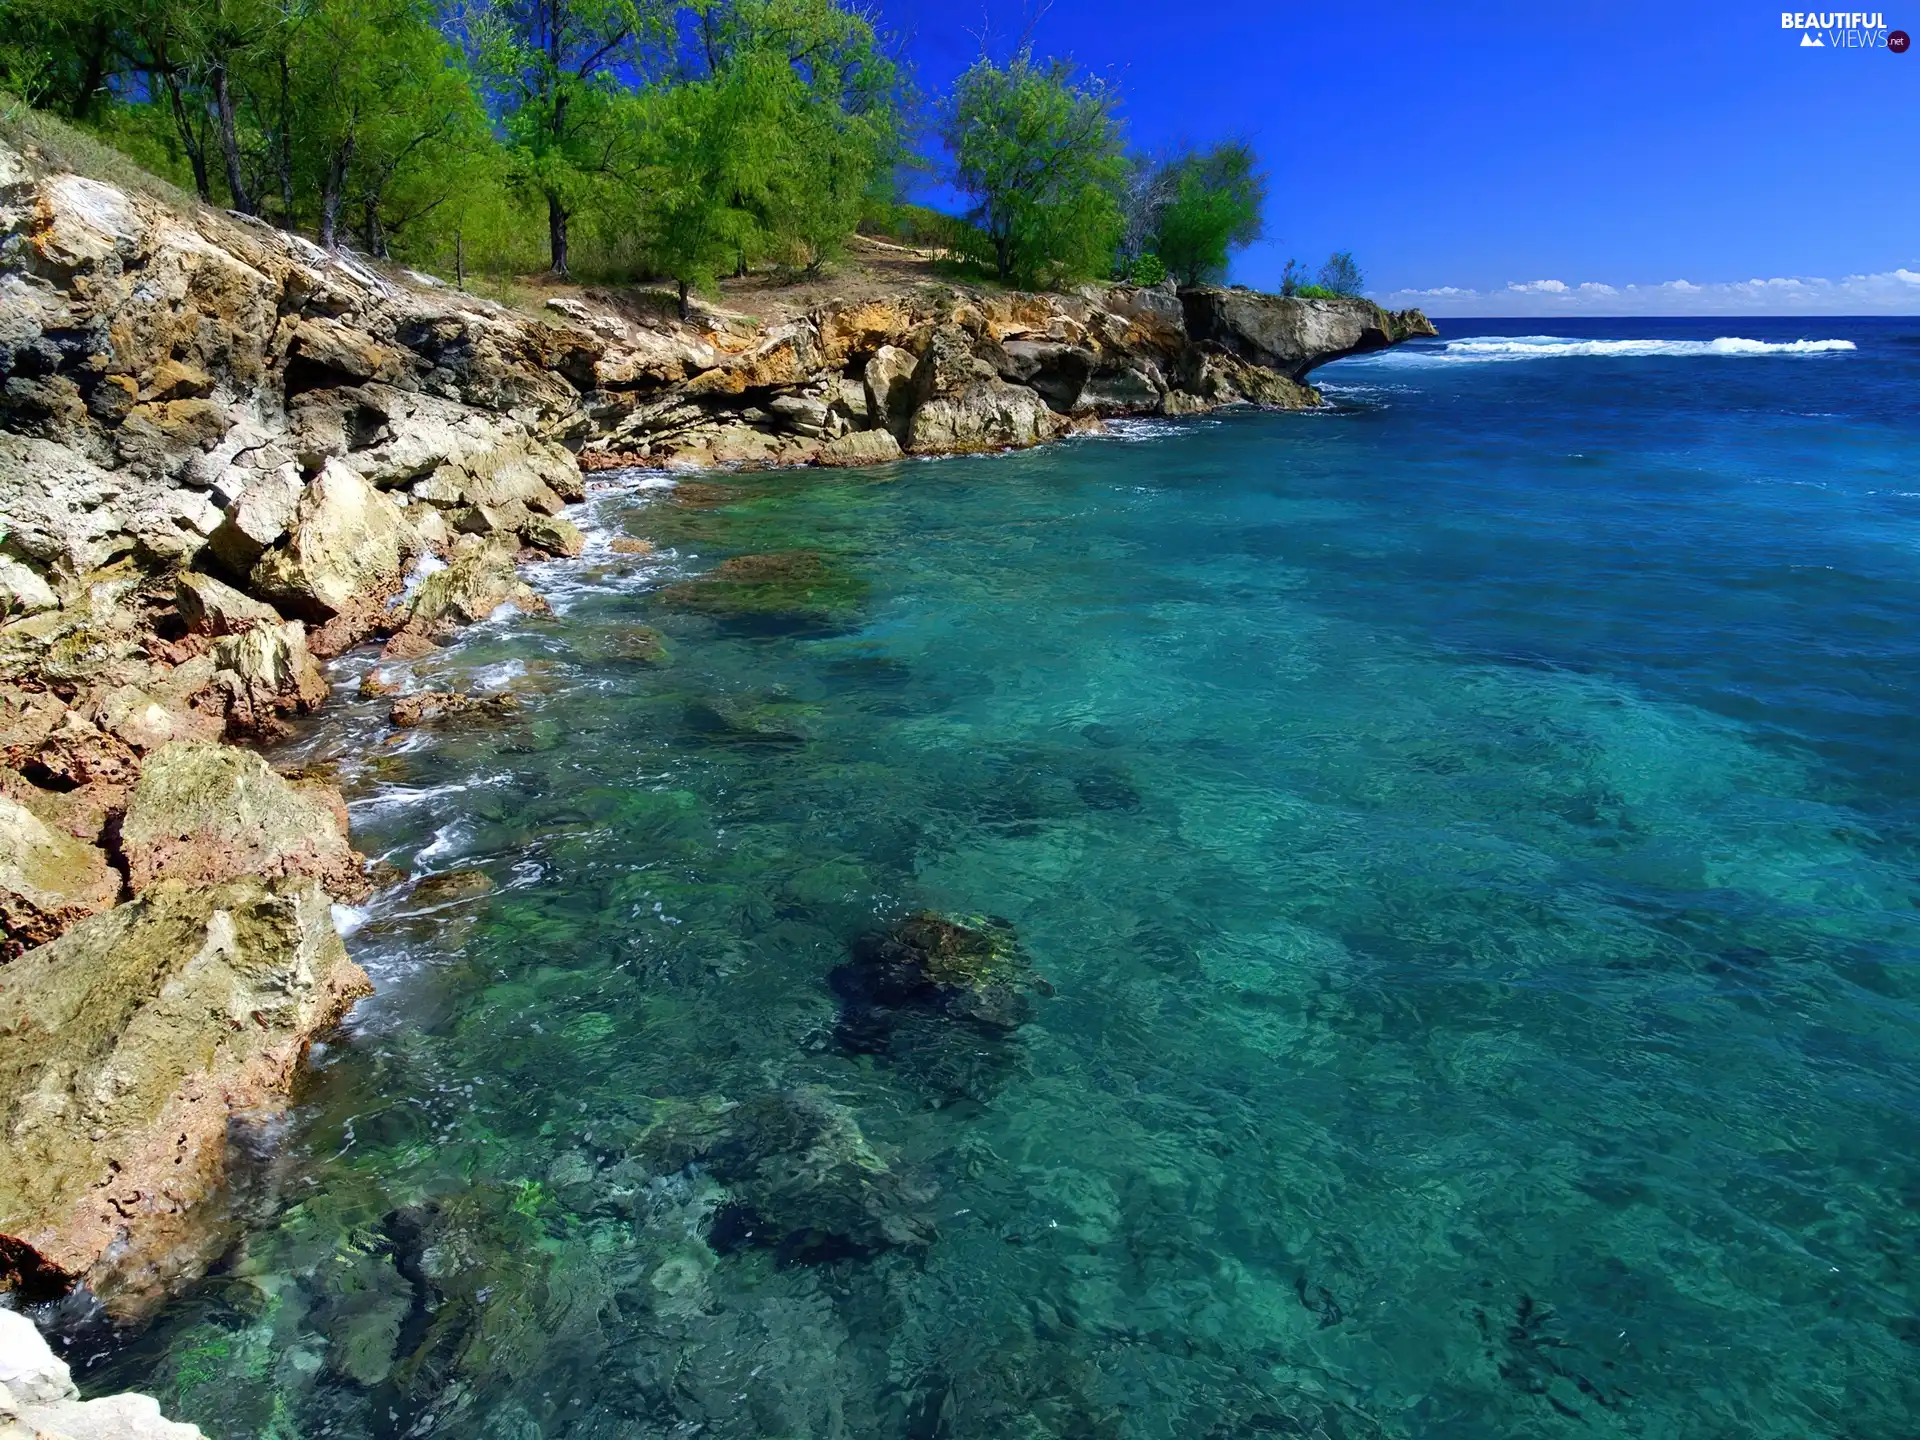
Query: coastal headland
227, 455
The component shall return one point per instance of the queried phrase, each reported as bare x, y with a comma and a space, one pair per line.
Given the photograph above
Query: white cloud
1889, 292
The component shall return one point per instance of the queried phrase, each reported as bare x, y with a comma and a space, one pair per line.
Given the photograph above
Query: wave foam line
1554, 347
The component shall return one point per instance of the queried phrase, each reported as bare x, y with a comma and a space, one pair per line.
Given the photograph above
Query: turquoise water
1464, 845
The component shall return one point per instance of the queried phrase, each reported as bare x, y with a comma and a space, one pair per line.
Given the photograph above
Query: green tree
1213, 207
1041, 155
1341, 276
822, 97
553, 66
695, 174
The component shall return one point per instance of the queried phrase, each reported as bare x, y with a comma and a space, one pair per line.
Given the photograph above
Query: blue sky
1671, 159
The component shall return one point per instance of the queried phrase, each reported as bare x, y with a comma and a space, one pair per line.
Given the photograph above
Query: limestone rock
470, 590
265, 673
987, 414
431, 705
861, 447
23, 591
1136, 389
349, 544
48, 880
553, 534
1293, 335
211, 607
202, 814
1057, 371
889, 386
256, 520
133, 1043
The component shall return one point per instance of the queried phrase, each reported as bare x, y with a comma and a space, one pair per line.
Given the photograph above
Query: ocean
1458, 852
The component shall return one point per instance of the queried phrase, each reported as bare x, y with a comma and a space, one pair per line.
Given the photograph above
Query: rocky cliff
223, 453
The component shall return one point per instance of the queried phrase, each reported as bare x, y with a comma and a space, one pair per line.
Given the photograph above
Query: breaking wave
1486, 348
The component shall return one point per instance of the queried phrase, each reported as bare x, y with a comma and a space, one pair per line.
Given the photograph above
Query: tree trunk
330, 188
230, 141
196, 154
93, 73
557, 233
684, 310
284, 148
460, 258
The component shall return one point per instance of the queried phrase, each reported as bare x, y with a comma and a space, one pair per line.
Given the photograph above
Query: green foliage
552, 68
1213, 206
1147, 269
1040, 153
909, 224
1340, 276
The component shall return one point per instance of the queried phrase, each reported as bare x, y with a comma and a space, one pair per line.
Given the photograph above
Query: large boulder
212, 607
349, 546
48, 880
860, 447
204, 813
987, 414
962, 404
471, 589
258, 516
888, 382
265, 673
131, 1045
1292, 335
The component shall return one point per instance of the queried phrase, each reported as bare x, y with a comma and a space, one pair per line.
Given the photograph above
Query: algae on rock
115, 1094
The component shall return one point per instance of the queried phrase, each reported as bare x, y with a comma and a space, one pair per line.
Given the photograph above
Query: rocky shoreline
226, 456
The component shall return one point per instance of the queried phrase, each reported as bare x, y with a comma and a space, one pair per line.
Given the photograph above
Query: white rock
22, 590
29, 1369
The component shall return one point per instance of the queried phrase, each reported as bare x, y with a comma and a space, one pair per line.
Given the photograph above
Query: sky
1507, 159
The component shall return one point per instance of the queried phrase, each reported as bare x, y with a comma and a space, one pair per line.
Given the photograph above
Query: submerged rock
939, 996
789, 587
128, 1047
803, 1180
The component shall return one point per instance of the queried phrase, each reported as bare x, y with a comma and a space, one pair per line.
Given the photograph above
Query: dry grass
52, 143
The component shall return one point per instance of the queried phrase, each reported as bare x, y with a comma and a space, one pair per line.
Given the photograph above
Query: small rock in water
630, 545
431, 705
452, 887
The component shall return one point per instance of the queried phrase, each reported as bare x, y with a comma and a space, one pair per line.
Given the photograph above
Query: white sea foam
1482, 349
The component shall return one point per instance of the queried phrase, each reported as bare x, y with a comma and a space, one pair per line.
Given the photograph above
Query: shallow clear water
1468, 839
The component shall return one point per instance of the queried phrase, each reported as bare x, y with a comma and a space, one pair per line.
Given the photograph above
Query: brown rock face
115, 1093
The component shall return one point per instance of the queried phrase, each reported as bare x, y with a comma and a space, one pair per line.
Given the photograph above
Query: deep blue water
1468, 840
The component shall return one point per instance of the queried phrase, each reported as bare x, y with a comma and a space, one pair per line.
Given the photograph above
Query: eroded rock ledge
223, 452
